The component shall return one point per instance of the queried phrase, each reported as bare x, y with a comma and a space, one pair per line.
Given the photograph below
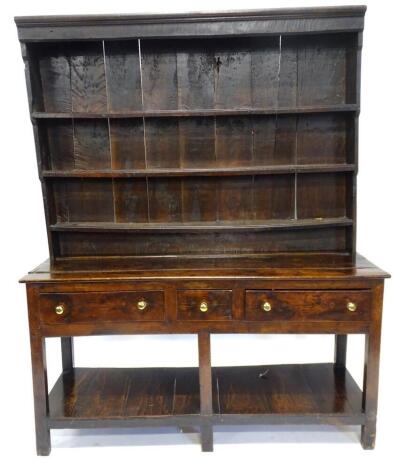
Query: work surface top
130, 268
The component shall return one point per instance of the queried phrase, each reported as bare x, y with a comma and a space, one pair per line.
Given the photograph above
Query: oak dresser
199, 176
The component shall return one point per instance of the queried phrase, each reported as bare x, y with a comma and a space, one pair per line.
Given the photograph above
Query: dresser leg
340, 350
205, 381
67, 354
368, 433
370, 391
207, 438
40, 394
371, 370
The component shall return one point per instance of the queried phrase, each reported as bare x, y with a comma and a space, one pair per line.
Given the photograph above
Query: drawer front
87, 307
263, 305
198, 304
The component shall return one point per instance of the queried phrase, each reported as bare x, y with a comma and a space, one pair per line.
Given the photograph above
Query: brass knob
351, 306
266, 306
59, 309
142, 304
203, 307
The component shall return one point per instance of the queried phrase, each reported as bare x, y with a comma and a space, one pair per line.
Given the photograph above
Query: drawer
312, 305
198, 304
87, 307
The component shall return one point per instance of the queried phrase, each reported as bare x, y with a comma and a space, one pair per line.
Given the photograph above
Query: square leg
340, 350
371, 372
205, 380
368, 434
67, 354
40, 394
206, 438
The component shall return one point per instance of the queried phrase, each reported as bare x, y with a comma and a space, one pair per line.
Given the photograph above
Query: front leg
39, 374
40, 394
371, 370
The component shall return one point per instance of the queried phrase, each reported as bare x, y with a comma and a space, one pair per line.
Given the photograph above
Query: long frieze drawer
89, 307
263, 305
199, 304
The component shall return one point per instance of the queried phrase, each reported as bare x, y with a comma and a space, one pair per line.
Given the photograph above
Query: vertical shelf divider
144, 129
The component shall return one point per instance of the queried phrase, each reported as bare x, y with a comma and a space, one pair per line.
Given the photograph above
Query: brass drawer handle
351, 306
203, 307
266, 306
142, 304
59, 310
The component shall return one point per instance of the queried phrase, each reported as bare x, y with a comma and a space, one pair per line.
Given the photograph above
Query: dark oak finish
204, 305
100, 306
340, 350
67, 354
39, 375
199, 176
307, 305
223, 133
205, 384
315, 392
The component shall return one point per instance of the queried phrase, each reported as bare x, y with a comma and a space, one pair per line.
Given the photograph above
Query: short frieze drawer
88, 307
202, 304
302, 305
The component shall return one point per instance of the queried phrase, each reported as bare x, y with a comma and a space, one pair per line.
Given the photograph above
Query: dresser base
337, 301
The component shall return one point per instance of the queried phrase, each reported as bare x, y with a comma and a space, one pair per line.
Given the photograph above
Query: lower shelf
309, 393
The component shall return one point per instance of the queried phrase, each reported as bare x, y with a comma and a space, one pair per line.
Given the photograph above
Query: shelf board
308, 393
232, 226
171, 172
200, 112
